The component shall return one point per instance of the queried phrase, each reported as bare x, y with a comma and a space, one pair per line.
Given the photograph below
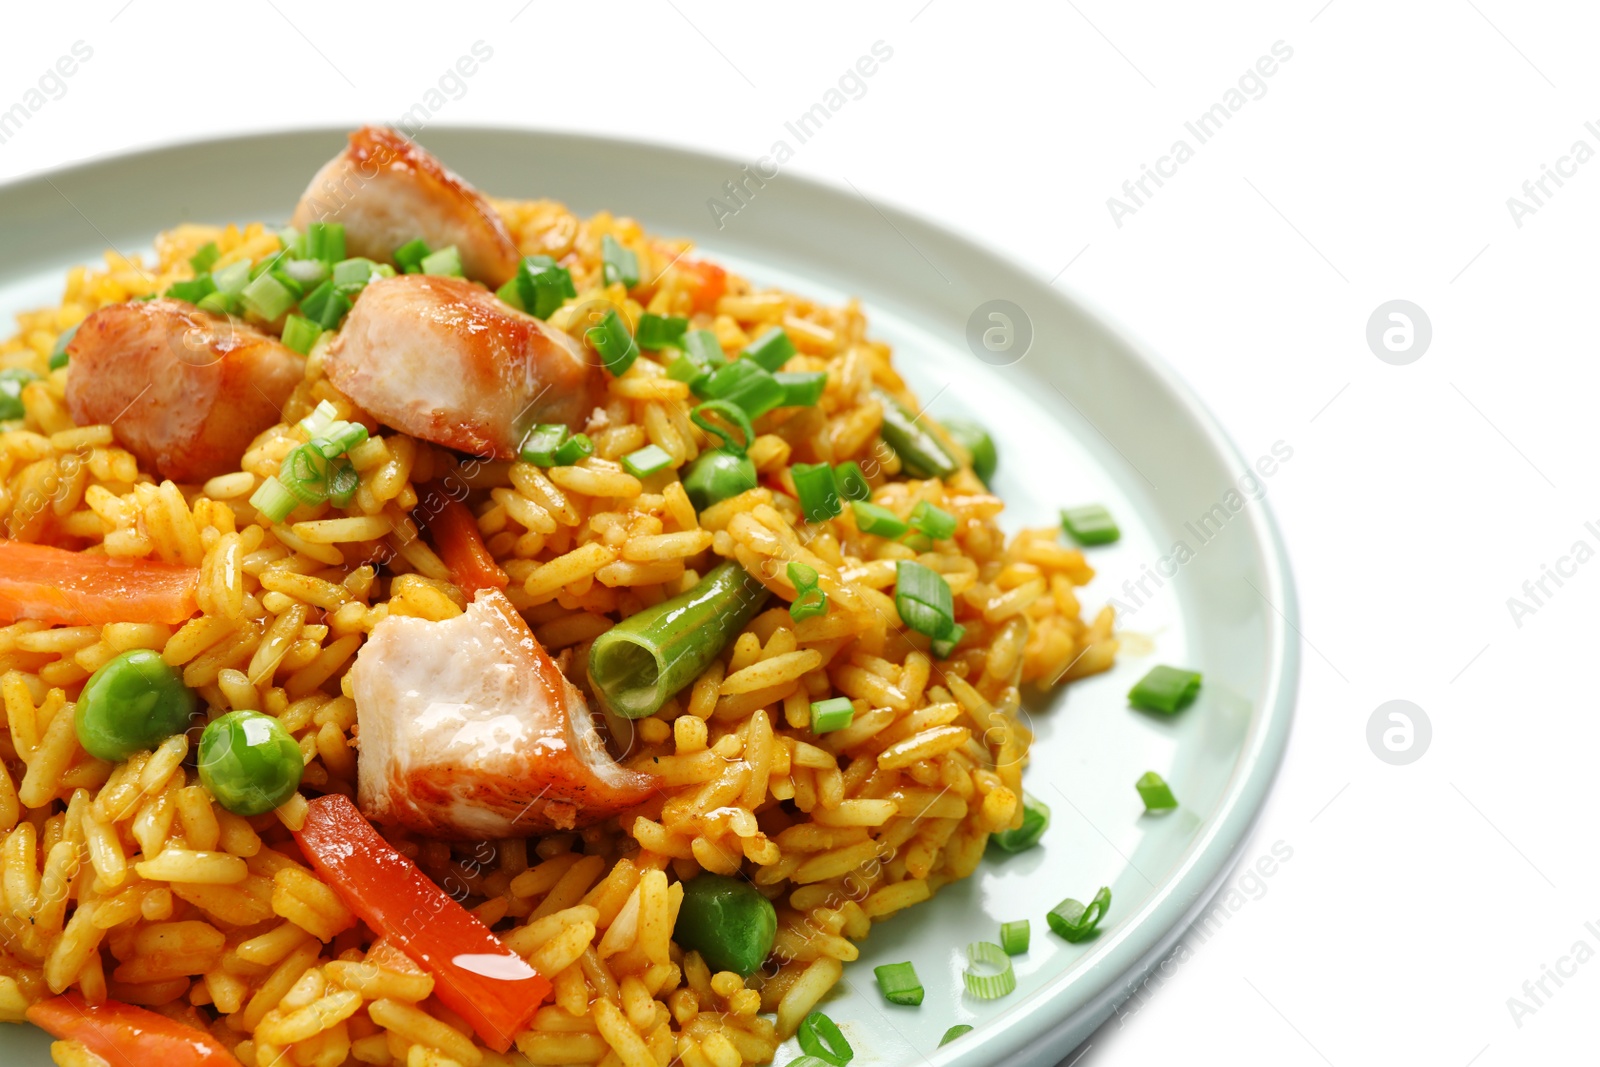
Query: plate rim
1035, 1031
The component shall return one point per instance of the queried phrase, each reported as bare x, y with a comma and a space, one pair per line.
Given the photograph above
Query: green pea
11, 383
727, 922
249, 762
132, 704
976, 440
717, 475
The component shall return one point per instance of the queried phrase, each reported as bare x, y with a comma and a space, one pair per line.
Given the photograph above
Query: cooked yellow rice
130, 882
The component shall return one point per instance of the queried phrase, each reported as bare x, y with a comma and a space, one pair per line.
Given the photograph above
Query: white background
1376, 166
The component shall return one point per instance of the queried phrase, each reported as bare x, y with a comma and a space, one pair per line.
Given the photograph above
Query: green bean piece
132, 704
640, 663
249, 762
924, 449
975, 439
725, 920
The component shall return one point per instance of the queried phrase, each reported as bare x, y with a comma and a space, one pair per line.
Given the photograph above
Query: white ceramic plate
1084, 415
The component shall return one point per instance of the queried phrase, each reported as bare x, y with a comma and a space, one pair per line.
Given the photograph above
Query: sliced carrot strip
460, 546
88, 589
129, 1036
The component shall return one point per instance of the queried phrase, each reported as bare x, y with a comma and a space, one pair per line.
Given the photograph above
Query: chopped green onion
877, 520
305, 474
935, 522
273, 500
350, 276
1075, 921
540, 286
802, 389
661, 331
702, 354
293, 241
1035, 820
941, 647
830, 715
683, 369
852, 483
266, 266
446, 263
58, 354
11, 383
619, 264
305, 273
342, 483
1014, 937
339, 438
1090, 524
323, 416
205, 258
327, 306
954, 1032
1165, 689
409, 256
745, 383
899, 983
325, 241
574, 448
299, 334
230, 281
809, 604
192, 291
802, 575
218, 303
232, 278
615, 345
647, 461
542, 443
771, 350
988, 984
975, 439
1155, 792
810, 600
820, 1036
922, 597
736, 418
703, 347
267, 297
817, 490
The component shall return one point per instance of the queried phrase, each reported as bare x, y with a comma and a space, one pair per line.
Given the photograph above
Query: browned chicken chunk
446, 361
388, 191
183, 390
469, 730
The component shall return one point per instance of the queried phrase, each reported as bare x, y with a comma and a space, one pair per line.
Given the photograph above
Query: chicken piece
183, 390
446, 361
387, 191
469, 730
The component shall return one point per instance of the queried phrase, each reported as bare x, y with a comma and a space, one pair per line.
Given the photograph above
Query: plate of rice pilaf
442, 630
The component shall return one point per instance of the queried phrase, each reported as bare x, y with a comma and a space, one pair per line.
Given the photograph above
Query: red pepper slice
476, 976
705, 282
460, 546
126, 1035
87, 589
